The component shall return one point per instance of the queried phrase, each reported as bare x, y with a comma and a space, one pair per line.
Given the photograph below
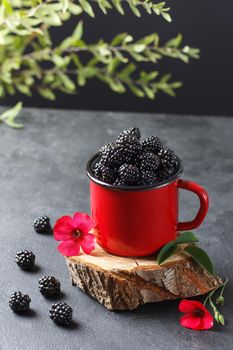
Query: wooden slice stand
125, 283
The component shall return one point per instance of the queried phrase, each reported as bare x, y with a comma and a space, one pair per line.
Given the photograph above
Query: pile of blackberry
132, 162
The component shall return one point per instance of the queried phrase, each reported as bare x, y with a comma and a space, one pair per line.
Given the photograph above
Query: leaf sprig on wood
198, 254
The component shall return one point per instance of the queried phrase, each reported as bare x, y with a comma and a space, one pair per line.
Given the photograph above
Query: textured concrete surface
42, 170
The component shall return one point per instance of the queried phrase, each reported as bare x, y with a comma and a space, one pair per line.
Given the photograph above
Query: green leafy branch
198, 254
113, 63
23, 17
29, 61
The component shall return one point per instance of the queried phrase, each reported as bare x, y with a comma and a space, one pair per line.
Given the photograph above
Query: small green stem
217, 315
209, 296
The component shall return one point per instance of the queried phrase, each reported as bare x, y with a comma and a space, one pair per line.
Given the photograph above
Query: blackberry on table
49, 286
129, 173
149, 161
167, 158
19, 302
152, 144
61, 313
148, 177
42, 224
25, 259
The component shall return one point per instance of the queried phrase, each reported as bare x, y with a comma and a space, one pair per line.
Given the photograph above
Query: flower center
198, 313
77, 233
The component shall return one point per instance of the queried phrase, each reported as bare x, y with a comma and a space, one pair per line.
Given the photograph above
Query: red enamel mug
137, 221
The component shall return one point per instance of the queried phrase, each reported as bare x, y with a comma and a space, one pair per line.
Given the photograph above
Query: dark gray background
43, 172
207, 82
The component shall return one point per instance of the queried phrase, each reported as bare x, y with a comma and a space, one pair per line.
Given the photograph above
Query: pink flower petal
63, 228
207, 321
70, 247
83, 222
190, 306
188, 321
88, 243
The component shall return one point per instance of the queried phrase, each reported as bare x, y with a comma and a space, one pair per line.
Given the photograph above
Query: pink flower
196, 316
75, 233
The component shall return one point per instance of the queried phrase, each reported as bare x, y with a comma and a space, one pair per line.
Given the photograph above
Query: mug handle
204, 204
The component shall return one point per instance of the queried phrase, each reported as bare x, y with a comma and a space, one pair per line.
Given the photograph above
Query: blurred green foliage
30, 61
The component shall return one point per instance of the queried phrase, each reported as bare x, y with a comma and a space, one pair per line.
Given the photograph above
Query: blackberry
148, 177
42, 224
119, 182
105, 148
108, 175
149, 161
152, 144
49, 286
98, 170
167, 158
125, 139
19, 302
61, 313
104, 173
165, 173
133, 131
113, 156
129, 174
25, 259
133, 152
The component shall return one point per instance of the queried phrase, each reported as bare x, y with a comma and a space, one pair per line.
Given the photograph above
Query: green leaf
145, 77
87, 7
8, 117
176, 84
166, 252
138, 47
46, 93
24, 89
186, 237
136, 91
118, 39
113, 64
68, 83
127, 71
104, 5
175, 42
201, 257
119, 8
167, 17
75, 9
78, 32
149, 92
134, 9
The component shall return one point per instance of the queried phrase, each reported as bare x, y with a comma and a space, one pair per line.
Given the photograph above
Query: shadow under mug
137, 221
